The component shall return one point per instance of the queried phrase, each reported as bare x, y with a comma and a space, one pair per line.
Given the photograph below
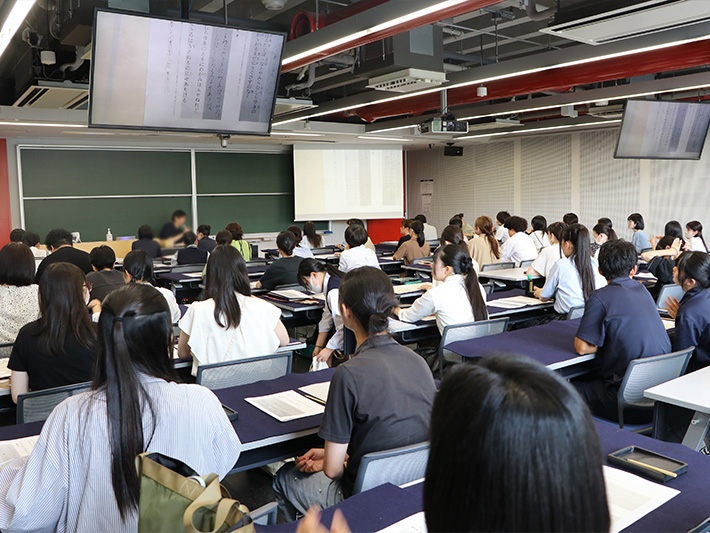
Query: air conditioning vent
407, 80
49, 95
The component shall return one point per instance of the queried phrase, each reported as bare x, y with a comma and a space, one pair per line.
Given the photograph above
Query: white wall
554, 174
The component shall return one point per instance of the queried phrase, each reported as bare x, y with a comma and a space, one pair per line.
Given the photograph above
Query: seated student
324, 279
538, 232
542, 266
369, 244
231, 323
138, 268
458, 299
501, 232
283, 271
223, 238
453, 234
602, 233
672, 230
175, 229
81, 475
620, 323
61, 250
18, 295
191, 254
573, 278
661, 262
570, 218
519, 246
300, 250
105, 278
31, 239
146, 242
356, 254
312, 240
415, 247
640, 239
242, 246
457, 222
430, 233
694, 233
468, 230
59, 348
484, 248
204, 241
404, 231
379, 400
692, 313
16, 235
513, 448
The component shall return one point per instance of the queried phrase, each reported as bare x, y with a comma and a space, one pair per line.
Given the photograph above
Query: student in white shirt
519, 246
458, 298
574, 277
31, 239
550, 255
602, 232
324, 279
301, 249
368, 244
356, 253
430, 233
81, 475
138, 268
694, 234
231, 323
539, 232
454, 235
501, 232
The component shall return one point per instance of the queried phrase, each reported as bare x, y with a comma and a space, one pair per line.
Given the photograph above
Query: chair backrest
668, 291
526, 263
397, 466
648, 372
290, 286
488, 287
575, 313
462, 332
178, 269
497, 266
6, 349
323, 251
36, 406
244, 371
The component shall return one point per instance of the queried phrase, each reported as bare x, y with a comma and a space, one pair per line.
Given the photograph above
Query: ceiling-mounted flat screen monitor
162, 74
653, 129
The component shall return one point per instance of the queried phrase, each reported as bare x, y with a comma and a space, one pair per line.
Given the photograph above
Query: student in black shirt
60, 245
661, 262
146, 243
379, 400
205, 242
191, 254
283, 271
105, 278
60, 348
16, 235
176, 229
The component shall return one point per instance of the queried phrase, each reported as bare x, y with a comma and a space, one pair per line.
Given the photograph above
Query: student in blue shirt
620, 324
640, 240
692, 313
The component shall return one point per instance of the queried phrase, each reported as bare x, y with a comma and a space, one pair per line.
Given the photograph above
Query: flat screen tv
164, 74
653, 129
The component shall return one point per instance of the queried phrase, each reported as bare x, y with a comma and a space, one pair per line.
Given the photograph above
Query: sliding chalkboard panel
273, 213
230, 172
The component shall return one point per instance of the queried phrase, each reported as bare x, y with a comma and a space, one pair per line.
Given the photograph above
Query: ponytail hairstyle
139, 266
555, 229
605, 229
673, 229
226, 275
539, 223
605, 220
695, 225
578, 235
309, 230
454, 235
368, 293
309, 265
485, 226
461, 263
297, 232
418, 228
694, 265
135, 336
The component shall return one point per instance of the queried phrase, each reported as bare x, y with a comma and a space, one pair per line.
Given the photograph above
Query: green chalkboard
275, 213
225, 172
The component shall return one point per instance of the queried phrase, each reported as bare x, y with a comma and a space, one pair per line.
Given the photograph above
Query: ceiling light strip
14, 21
533, 130
397, 139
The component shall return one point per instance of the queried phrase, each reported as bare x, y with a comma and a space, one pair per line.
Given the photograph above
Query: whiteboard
348, 181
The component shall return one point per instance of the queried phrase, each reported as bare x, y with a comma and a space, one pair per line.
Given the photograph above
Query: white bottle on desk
109, 235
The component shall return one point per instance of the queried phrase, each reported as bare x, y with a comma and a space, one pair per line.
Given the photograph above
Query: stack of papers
196, 275
4, 371
317, 390
11, 449
286, 406
514, 302
291, 294
668, 323
644, 275
408, 288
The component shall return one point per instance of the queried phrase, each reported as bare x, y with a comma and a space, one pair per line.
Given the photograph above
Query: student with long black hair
321, 278
458, 298
454, 235
81, 475
231, 323
543, 263
313, 240
301, 249
484, 248
416, 247
513, 448
694, 233
138, 268
640, 240
661, 262
602, 232
538, 232
572, 279
378, 400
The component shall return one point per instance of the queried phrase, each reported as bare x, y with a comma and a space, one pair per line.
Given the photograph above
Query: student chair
645, 373
244, 371
36, 406
669, 291
397, 466
575, 313
497, 266
461, 332
325, 250
527, 263
179, 269
488, 287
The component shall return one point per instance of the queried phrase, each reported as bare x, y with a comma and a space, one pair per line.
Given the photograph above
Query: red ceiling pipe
668, 59
453, 11
305, 21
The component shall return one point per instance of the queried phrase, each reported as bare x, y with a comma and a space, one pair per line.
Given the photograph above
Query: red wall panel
5, 220
384, 230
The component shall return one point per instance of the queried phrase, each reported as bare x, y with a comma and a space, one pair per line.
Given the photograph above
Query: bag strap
226, 508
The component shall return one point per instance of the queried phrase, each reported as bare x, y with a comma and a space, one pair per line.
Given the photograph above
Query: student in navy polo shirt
620, 323
692, 313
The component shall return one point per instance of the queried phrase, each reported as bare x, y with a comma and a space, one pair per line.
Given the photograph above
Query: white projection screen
337, 183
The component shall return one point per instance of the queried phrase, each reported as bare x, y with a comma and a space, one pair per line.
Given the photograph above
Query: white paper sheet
514, 302
668, 323
408, 288
287, 405
10, 449
645, 275
4, 371
291, 294
318, 390
632, 497
196, 275
415, 523
252, 285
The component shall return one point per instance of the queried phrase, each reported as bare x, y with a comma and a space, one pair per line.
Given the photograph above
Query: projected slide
168, 74
344, 182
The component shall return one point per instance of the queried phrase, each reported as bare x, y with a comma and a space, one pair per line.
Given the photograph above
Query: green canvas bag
173, 497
